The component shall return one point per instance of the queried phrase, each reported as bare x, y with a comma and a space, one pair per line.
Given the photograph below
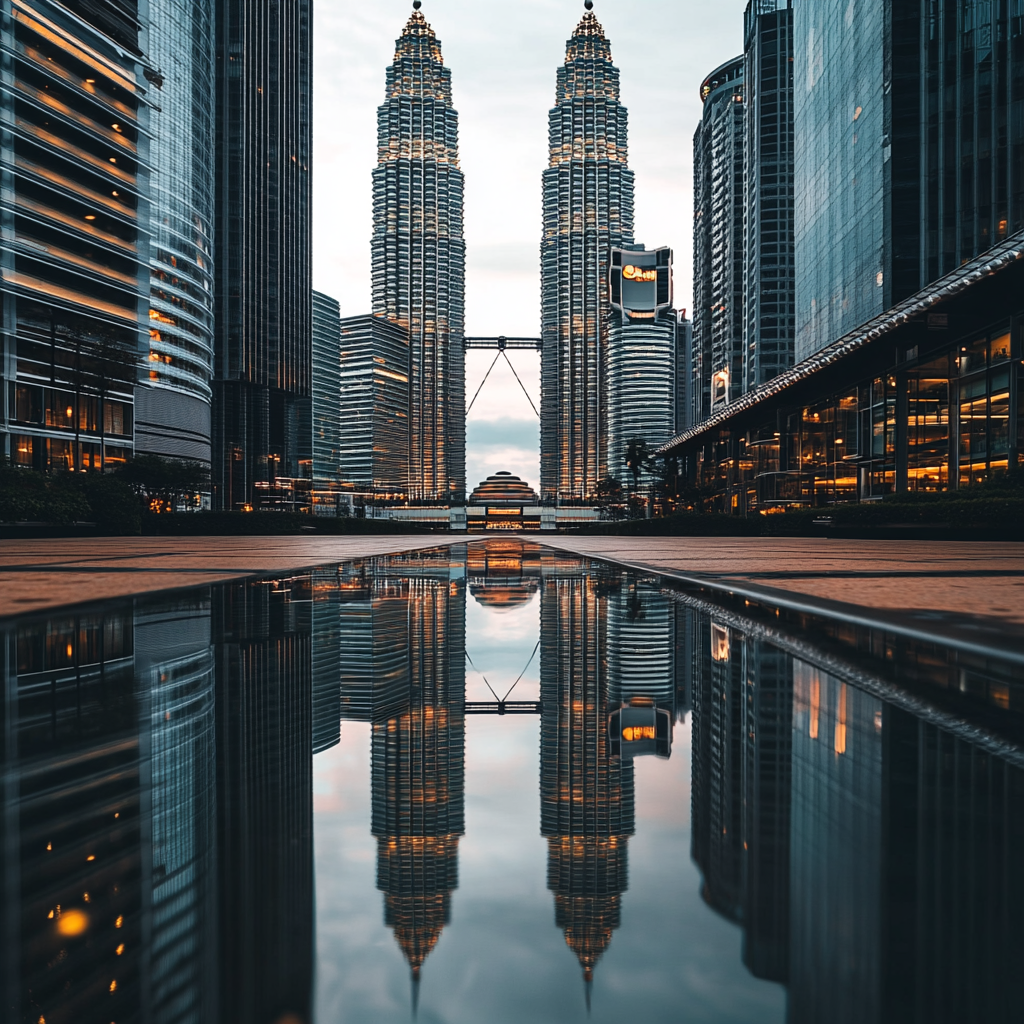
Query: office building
172, 408
684, 372
718, 241
263, 290
769, 312
419, 257
75, 247
640, 357
325, 410
374, 435
919, 398
588, 211
907, 161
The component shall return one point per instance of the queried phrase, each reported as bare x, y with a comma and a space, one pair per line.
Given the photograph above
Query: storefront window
22, 449
928, 428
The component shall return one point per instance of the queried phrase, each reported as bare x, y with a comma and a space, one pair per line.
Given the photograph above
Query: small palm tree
638, 458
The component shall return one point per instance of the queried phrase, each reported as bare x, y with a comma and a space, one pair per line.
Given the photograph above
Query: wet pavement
498, 781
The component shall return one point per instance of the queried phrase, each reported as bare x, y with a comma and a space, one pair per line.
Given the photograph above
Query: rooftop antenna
415, 970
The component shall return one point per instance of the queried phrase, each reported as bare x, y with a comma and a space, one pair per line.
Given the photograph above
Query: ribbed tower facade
586, 794
419, 255
588, 211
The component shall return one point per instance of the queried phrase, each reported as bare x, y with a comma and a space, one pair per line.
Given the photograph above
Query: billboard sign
640, 282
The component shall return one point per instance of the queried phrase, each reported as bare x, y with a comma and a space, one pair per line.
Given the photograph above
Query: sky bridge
503, 707
502, 343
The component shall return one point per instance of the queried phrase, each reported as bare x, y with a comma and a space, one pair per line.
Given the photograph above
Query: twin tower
419, 262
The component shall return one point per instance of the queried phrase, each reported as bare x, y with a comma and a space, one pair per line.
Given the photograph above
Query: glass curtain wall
173, 409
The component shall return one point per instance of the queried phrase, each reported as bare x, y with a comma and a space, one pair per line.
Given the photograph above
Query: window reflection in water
856, 801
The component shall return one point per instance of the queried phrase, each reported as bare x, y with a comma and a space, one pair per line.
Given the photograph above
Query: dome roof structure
503, 489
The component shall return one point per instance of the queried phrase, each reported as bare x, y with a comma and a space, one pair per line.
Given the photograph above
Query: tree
163, 484
638, 458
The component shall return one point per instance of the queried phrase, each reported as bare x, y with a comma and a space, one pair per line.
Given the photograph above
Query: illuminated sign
632, 733
632, 273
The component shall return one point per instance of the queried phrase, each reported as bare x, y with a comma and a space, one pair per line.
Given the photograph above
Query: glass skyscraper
588, 211
640, 355
262, 246
74, 253
768, 161
839, 169
718, 241
326, 388
172, 409
374, 414
908, 160
419, 256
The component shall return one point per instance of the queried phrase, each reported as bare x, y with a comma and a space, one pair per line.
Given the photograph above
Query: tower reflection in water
157, 840
857, 799
403, 628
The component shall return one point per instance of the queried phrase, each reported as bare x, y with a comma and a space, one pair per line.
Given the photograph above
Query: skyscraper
907, 161
768, 314
718, 237
172, 410
419, 256
588, 211
74, 252
640, 355
262, 239
326, 392
374, 415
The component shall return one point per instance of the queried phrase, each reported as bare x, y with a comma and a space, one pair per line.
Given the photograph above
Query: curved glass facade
173, 413
588, 210
74, 176
640, 356
718, 251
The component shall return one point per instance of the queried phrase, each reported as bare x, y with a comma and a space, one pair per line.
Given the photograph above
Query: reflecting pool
495, 782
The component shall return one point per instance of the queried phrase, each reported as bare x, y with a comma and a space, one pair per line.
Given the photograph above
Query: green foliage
27, 497
114, 506
168, 481
62, 499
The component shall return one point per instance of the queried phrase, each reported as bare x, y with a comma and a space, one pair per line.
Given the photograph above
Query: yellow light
120, 949
72, 922
633, 733
119, 922
113, 986
92, 856
90, 216
71, 649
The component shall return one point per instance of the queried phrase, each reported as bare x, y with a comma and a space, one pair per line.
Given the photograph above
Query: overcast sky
503, 55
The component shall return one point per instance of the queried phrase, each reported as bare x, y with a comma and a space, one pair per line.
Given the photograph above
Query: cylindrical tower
419, 256
588, 210
173, 411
